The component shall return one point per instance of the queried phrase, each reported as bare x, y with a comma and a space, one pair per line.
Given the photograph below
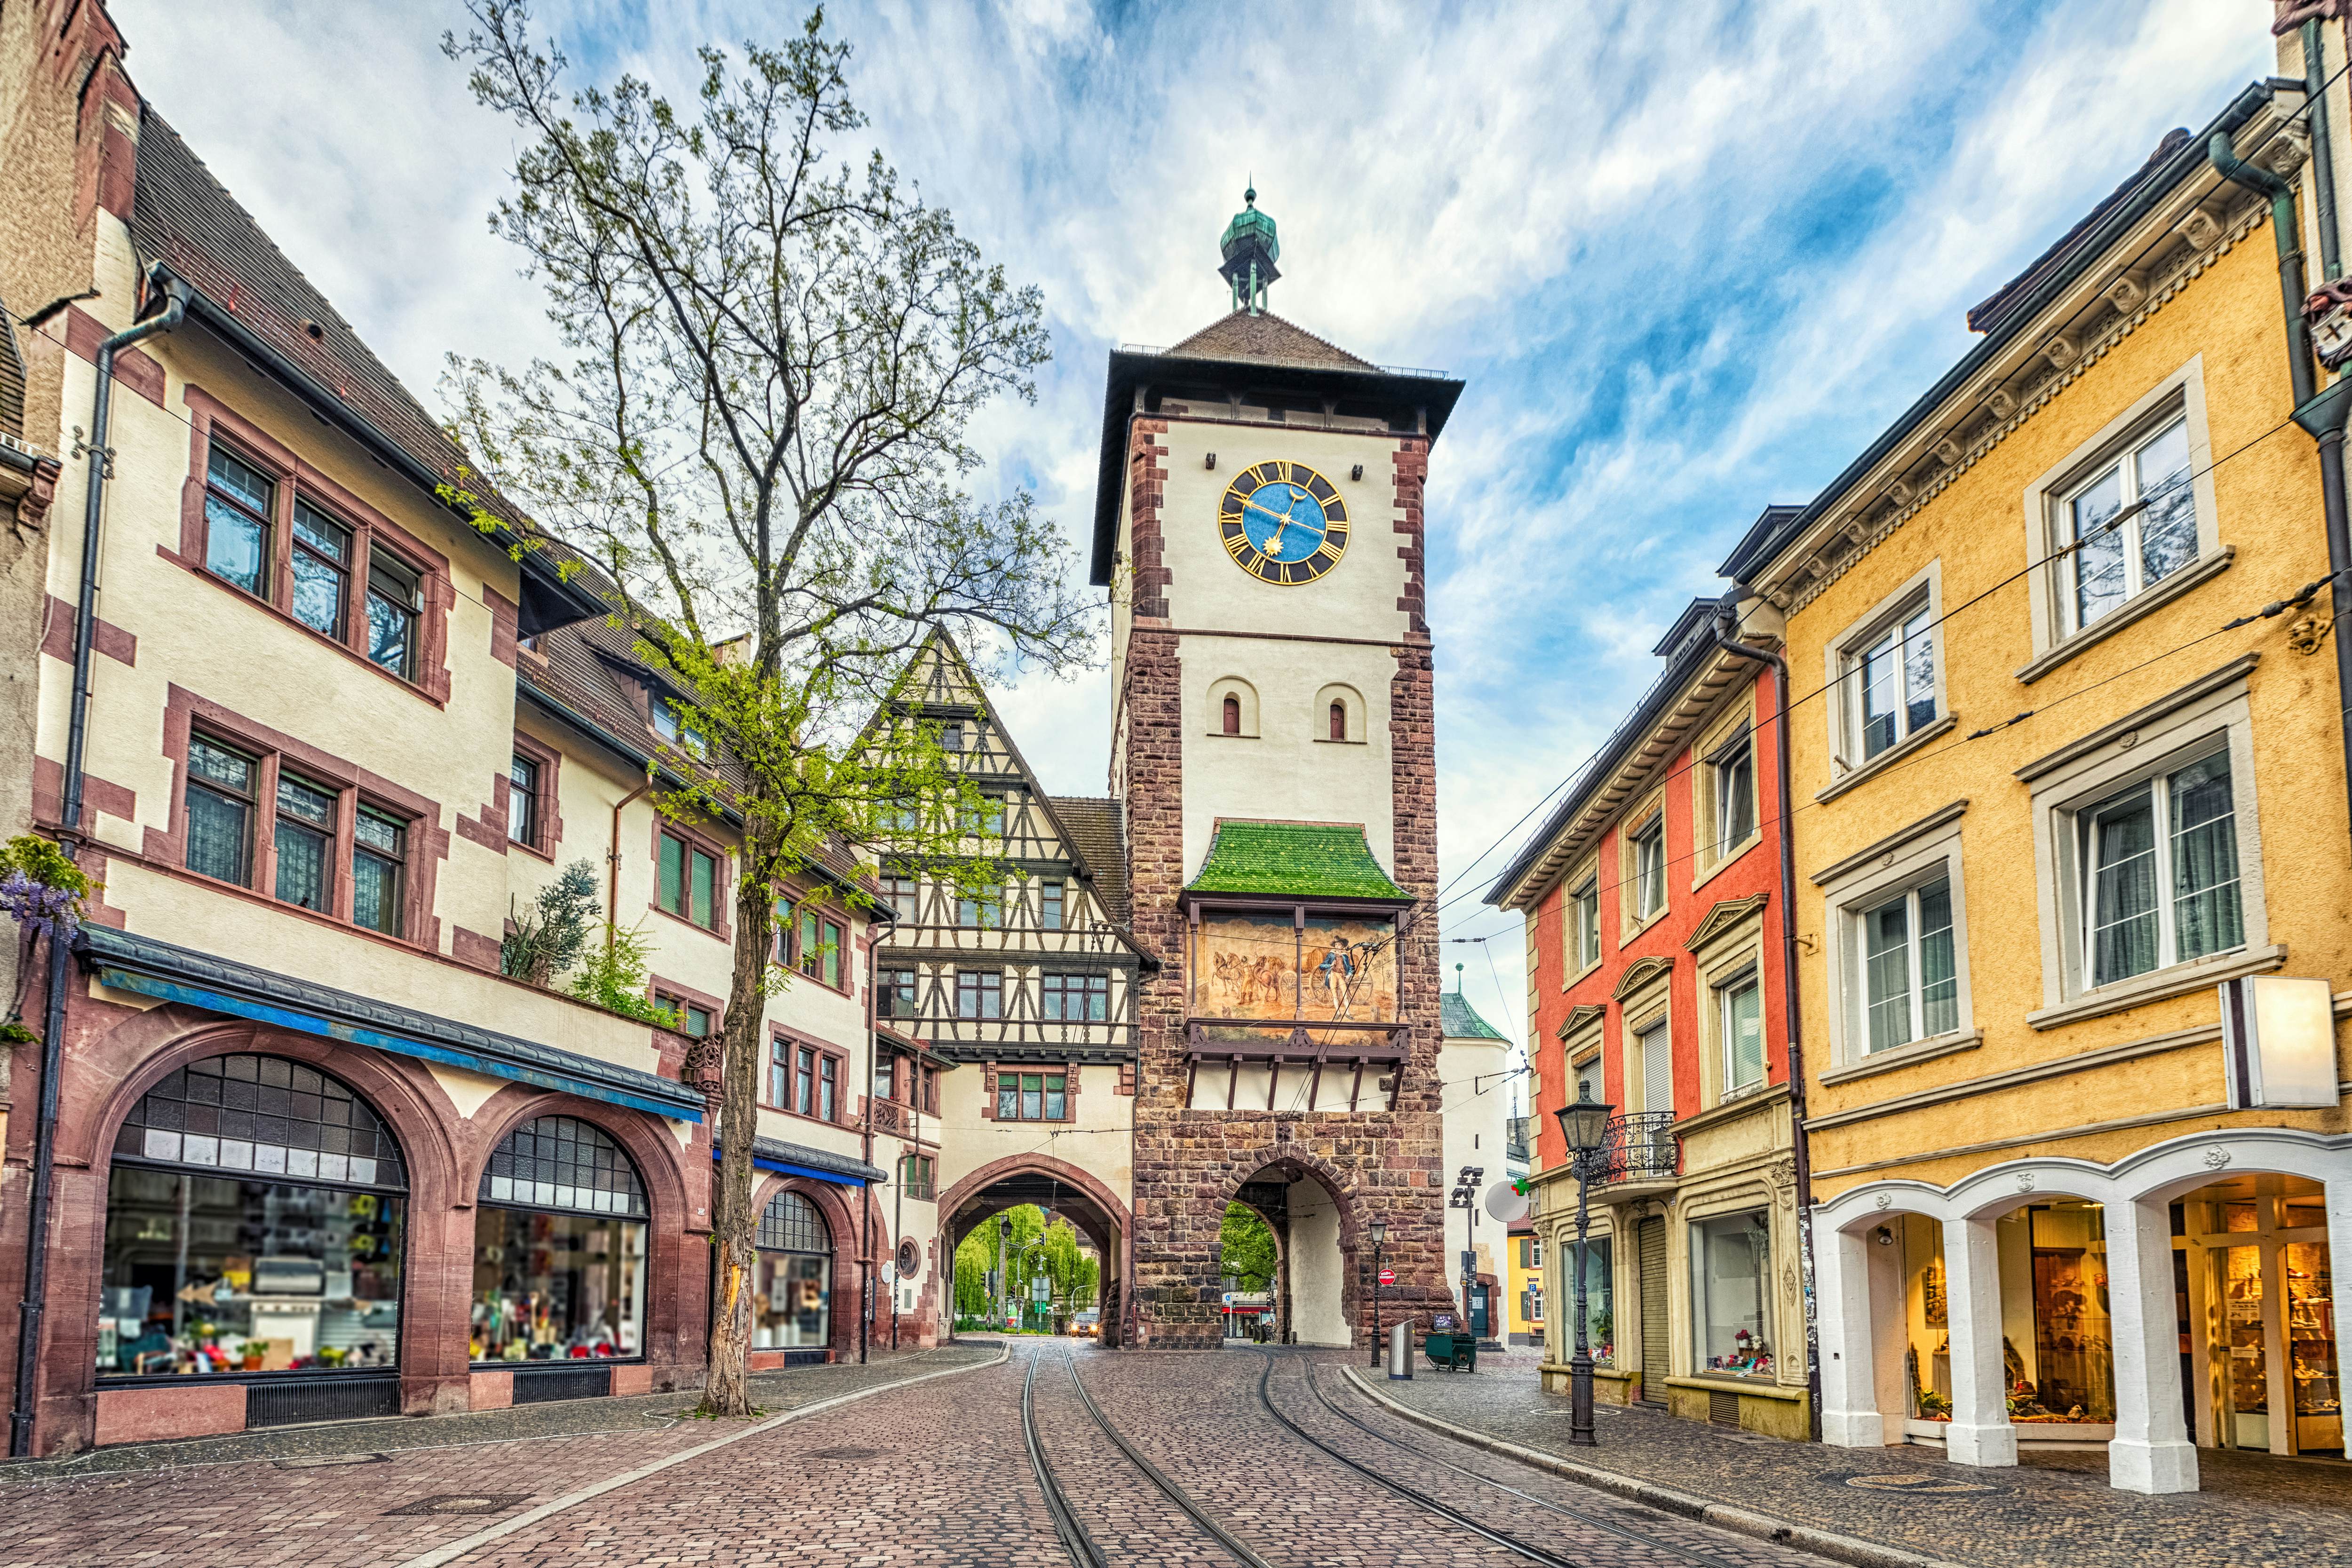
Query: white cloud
1691, 258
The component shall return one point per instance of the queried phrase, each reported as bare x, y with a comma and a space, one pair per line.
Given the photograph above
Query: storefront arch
838, 1209
2151, 1449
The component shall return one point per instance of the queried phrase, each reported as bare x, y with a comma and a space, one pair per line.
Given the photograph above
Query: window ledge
2202, 569
1739, 1103
1326, 740
1899, 1056
1226, 734
1570, 982
2158, 983
1888, 757
1731, 857
1762, 1389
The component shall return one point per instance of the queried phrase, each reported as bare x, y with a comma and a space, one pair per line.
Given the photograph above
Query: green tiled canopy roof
1461, 1020
1298, 860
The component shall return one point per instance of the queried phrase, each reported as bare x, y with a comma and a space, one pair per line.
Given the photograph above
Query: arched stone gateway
2151, 1305
1060, 1189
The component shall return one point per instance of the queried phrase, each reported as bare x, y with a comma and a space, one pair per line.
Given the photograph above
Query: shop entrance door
2261, 1292
1650, 1249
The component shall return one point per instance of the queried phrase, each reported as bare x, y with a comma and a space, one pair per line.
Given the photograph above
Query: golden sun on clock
1282, 523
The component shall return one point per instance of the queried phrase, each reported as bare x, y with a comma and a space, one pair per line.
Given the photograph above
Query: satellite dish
1506, 1204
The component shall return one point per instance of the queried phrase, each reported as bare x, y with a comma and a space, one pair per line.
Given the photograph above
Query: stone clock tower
1259, 524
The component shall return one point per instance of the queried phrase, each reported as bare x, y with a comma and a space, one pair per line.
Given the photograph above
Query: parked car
1086, 1324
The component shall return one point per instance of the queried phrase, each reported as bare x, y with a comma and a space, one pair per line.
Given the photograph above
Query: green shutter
705, 869
673, 868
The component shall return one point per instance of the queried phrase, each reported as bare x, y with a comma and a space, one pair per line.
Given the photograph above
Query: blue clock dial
1283, 522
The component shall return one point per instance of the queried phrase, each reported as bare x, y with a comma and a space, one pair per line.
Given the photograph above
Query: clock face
1283, 522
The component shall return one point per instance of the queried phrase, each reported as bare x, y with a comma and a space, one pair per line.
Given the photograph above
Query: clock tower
1259, 524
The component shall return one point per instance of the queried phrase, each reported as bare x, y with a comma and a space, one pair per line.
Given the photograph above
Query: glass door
2248, 1383
2311, 1346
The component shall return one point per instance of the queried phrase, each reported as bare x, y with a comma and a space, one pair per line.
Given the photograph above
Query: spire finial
1250, 249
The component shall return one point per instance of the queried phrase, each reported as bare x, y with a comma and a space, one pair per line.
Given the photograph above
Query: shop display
559, 1247
2074, 1376
1600, 1302
792, 1307
1732, 1278
217, 1260
2311, 1347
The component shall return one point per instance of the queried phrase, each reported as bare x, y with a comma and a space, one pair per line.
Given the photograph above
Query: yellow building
2051, 791
1524, 1285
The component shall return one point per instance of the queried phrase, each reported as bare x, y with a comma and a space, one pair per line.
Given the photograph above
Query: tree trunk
734, 1229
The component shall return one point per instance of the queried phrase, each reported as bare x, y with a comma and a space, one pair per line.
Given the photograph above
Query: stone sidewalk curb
1849, 1549
466, 1545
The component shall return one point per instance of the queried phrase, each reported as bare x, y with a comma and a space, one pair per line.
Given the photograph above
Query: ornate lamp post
1378, 1231
1585, 1126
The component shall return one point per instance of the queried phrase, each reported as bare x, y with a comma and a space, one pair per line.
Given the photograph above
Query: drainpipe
2322, 414
31, 1311
1801, 1150
2322, 166
612, 868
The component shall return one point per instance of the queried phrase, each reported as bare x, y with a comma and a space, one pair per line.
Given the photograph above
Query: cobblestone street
926, 1460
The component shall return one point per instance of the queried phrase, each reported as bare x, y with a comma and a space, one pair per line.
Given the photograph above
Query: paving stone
2055, 1510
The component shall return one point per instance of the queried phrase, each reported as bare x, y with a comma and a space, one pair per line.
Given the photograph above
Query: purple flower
39, 908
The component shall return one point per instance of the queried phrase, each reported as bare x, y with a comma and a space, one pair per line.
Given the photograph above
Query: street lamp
1585, 1126
1378, 1232
1465, 1197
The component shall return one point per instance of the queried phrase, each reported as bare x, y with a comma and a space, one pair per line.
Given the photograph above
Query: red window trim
370, 528
427, 842
722, 878
658, 986
550, 815
783, 1036
852, 943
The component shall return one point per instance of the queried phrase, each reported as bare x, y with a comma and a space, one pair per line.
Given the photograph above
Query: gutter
1794, 1028
34, 1306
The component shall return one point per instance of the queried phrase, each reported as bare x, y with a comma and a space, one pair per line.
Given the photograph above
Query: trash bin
1400, 1354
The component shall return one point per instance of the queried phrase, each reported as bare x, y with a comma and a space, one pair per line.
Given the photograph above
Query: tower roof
1297, 860
1265, 338
1460, 1020
1250, 225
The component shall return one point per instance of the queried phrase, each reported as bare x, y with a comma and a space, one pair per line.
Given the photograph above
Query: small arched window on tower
1233, 708
1338, 715
1339, 720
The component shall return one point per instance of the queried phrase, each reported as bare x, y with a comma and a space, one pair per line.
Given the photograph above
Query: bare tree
761, 435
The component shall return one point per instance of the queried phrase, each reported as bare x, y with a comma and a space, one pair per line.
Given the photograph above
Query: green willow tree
760, 434
1245, 1247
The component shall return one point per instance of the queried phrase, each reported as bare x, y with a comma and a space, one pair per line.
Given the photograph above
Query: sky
1690, 258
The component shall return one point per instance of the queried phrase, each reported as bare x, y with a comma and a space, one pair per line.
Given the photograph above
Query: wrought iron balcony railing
1639, 1146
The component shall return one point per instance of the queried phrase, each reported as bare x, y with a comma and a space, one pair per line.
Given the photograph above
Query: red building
1657, 983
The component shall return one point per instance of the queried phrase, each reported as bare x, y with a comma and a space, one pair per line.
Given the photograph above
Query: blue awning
800, 1160
174, 974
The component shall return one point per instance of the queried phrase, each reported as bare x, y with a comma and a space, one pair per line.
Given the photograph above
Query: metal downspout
1801, 1151
2323, 165
34, 1307
2321, 416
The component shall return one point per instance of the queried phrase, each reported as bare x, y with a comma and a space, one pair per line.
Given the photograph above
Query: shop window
1731, 1290
253, 1224
2055, 1270
1078, 999
980, 994
792, 1307
1600, 1302
1032, 1097
559, 1252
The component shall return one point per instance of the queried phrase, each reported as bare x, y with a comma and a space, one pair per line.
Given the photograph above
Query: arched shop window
795, 1277
559, 1247
254, 1214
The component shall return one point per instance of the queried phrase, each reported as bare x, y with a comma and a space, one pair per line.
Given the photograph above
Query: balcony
1638, 1150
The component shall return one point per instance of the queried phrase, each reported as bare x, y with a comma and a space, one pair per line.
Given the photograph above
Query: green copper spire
1250, 247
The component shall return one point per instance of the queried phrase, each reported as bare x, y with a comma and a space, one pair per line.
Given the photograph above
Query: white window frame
1933, 851
1651, 824
1914, 986
2132, 490
2056, 637
2160, 798
1748, 978
1843, 662
1734, 729
2193, 721
1579, 928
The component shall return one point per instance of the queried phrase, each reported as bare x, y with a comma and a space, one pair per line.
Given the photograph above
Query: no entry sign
1388, 1275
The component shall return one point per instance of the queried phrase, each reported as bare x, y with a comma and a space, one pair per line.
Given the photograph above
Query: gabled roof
1998, 305
1293, 860
1460, 1020
248, 292
1267, 338
1097, 840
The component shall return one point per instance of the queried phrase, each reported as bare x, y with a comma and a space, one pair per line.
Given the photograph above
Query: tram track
1084, 1550
1648, 1542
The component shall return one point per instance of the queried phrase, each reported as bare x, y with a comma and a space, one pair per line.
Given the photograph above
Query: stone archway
1065, 1189
1319, 1290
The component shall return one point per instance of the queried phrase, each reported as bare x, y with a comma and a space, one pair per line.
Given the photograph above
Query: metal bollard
1400, 1354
